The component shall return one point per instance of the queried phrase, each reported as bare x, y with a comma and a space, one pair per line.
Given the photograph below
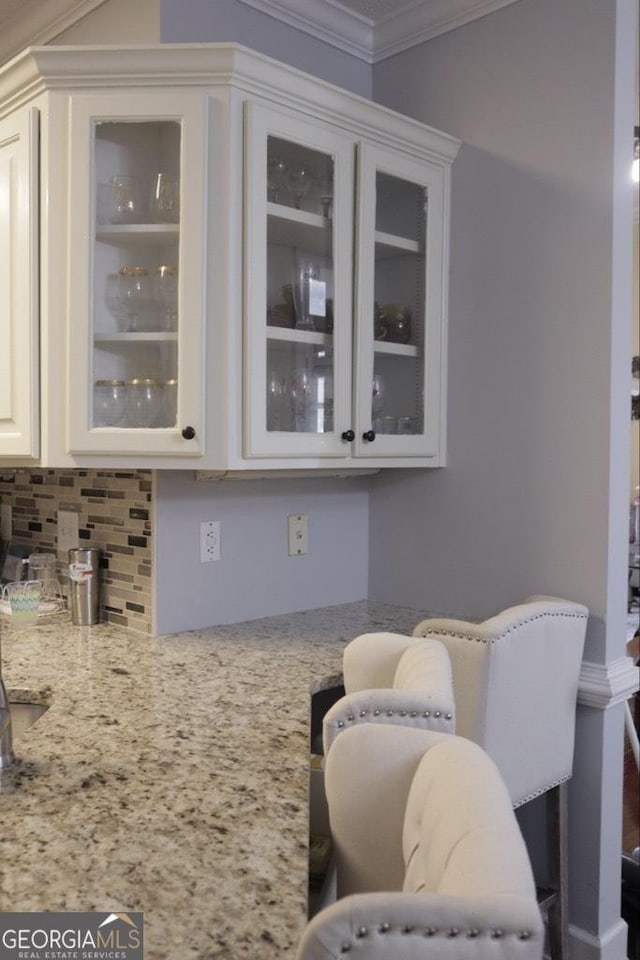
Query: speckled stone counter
170, 775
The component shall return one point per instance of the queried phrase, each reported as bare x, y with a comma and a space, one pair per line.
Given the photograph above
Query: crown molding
325, 20
38, 23
425, 20
374, 40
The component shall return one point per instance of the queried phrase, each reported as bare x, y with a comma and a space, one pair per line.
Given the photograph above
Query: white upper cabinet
19, 392
136, 297
241, 268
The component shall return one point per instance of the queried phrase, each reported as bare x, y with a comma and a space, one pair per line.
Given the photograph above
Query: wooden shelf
395, 349
159, 337
138, 233
288, 227
389, 245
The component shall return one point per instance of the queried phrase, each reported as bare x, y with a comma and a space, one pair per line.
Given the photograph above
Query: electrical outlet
67, 531
298, 525
209, 541
5, 521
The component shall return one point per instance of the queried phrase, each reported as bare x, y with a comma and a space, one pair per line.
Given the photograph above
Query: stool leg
558, 854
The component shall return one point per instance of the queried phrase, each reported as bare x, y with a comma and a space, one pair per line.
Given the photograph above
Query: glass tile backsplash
114, 515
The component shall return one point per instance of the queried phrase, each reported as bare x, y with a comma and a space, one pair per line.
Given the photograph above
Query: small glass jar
109, 403
145, 403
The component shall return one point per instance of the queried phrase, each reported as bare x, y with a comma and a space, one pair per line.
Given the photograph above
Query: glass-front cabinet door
298, 248
398, 305
136, 347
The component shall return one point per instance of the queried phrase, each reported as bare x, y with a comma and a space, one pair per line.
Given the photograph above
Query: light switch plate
298, 526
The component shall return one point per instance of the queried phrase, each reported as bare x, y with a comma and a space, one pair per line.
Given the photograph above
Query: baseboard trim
588, 946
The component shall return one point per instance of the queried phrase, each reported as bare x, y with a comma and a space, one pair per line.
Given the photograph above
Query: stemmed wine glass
325, 187
377, 395
277, 177
300, 180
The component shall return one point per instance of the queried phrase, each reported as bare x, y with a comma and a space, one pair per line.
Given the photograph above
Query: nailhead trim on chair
520, 623
390, 713
385, 927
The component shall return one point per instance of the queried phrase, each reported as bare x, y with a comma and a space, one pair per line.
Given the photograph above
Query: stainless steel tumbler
84, 586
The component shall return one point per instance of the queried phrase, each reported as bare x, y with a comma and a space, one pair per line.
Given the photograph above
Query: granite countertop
170, 775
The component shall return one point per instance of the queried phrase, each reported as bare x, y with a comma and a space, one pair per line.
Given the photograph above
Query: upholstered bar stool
414, 689
515, 681
430, 860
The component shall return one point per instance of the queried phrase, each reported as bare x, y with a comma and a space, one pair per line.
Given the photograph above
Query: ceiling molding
376, 39
425, 20
325, 20
36, 22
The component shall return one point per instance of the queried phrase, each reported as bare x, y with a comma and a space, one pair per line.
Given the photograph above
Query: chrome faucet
7, 755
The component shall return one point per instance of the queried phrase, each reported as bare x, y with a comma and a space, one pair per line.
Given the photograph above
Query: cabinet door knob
369, 435
188, 433
348, 435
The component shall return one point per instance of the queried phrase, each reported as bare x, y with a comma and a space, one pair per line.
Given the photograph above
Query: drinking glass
134, 303
300, 180
377, 395
325, 187
277, 174
309, 296
145, 402
165, 287
165, 199
125, 199
109, 403
24, 600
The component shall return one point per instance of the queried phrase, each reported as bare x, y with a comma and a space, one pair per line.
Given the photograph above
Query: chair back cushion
460, 834
515, 680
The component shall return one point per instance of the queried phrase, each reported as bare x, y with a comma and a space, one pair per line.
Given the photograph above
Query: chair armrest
427, 710
408, 926
370, 660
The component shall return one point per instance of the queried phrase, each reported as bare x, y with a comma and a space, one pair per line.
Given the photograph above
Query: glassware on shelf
144, 408
165, 288
325, 188
124, 203
130, 298
109, 403
300, 181
170, 402
394, 323
304, 396
277, 178
279, 403
164, 206
377, 395
309, 296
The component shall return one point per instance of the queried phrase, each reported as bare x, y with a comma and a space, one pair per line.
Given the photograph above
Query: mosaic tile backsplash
114, 515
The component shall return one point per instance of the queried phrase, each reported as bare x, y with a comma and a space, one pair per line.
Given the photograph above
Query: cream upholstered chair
515, 682
415, 689
429, 856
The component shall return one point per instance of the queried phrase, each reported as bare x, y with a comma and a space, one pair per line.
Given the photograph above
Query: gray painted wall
227, 20
255, 577
534, 497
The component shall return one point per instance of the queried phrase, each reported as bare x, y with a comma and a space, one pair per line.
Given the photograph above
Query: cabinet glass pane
136, 274
300, 274
399, 311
